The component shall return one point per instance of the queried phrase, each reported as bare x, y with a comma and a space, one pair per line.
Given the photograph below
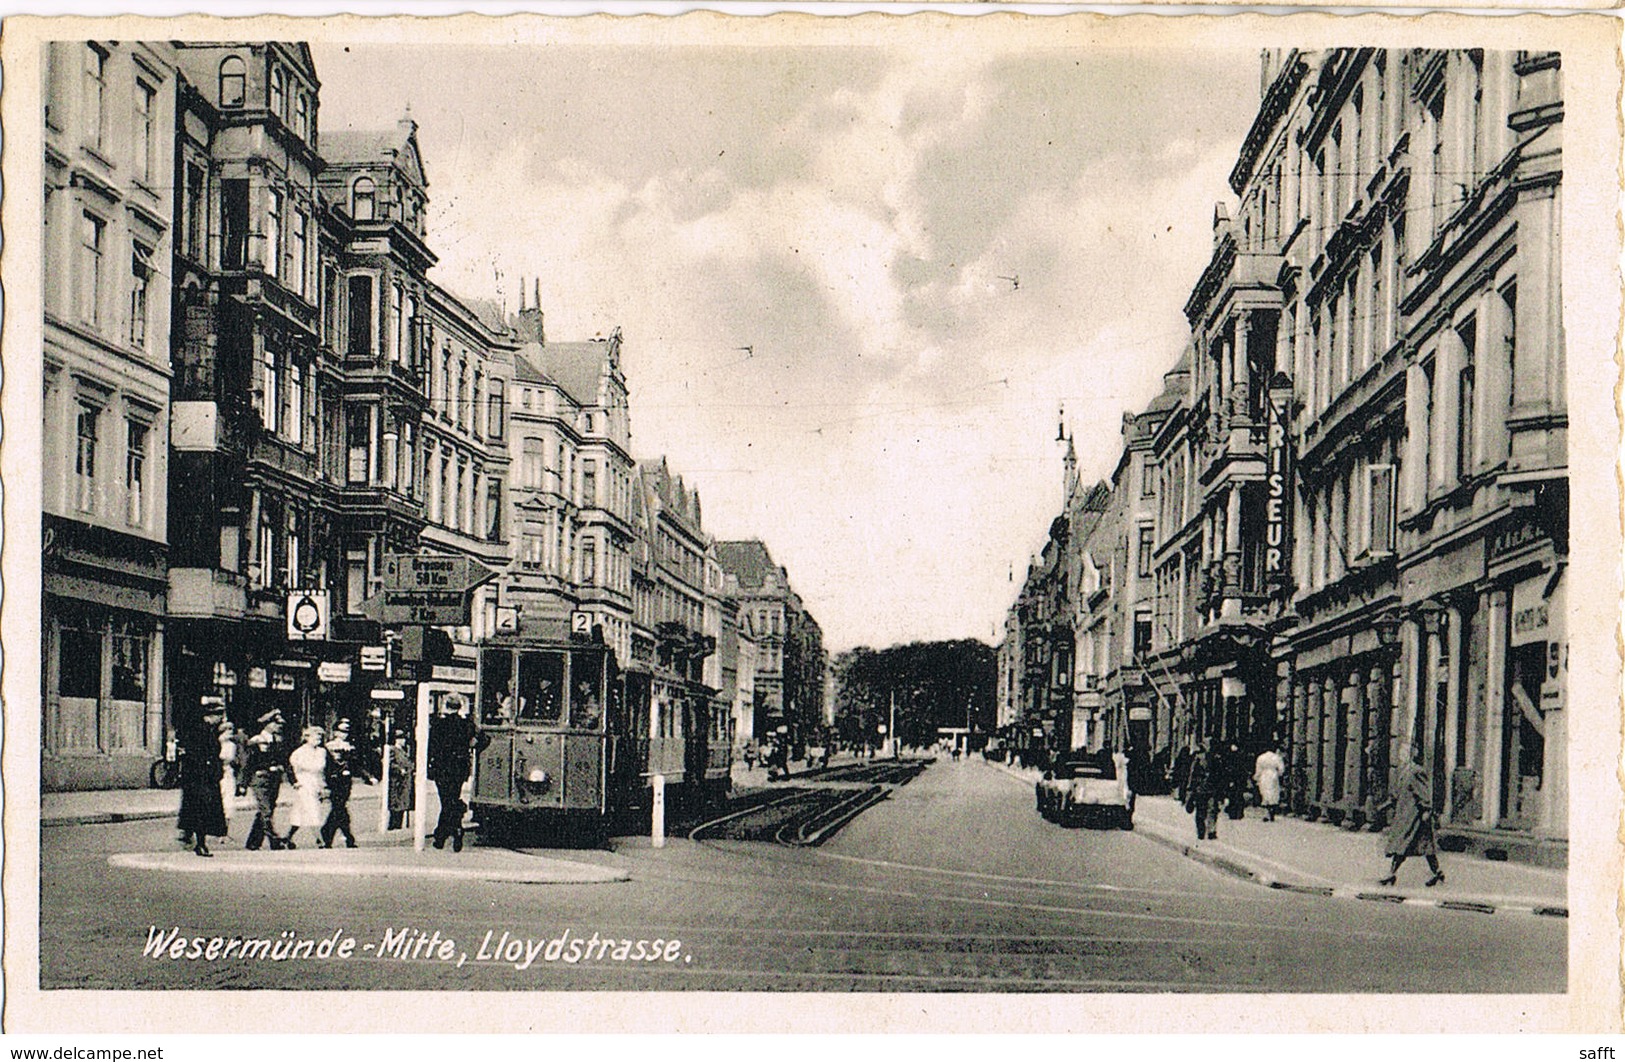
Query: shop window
131, 652
79, 668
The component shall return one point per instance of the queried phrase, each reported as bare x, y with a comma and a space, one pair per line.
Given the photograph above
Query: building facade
789, 689
1356, 477
108, 237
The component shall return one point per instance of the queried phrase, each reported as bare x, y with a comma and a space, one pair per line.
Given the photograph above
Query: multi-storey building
574, 498
1141, 695
463, 452
736, 660
790, 660
247, 519
1359, 525
1430, 436
108, 229
377, 186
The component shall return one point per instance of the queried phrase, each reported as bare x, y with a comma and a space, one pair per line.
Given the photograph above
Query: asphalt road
952, 884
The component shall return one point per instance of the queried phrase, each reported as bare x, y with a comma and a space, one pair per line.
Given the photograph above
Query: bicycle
165, 772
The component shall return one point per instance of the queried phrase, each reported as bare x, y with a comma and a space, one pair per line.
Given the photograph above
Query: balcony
206, 593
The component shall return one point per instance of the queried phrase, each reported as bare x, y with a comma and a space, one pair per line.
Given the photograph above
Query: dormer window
231, 81
363, 199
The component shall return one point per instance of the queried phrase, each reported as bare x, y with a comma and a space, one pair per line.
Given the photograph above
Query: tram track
809, 815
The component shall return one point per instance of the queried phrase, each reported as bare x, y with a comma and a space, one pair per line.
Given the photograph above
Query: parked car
1092, 785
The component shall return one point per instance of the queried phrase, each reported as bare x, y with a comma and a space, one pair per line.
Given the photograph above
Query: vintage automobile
1087, 785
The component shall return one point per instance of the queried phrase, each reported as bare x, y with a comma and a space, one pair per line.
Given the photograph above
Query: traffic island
472, 865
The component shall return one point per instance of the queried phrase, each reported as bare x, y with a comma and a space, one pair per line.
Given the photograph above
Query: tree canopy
935, 684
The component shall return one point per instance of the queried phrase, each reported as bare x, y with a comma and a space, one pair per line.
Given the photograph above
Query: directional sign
422, 573
426, 589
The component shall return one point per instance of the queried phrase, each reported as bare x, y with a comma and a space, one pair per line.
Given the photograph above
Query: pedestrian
308, 763
202, 815
266, 769
342, 767
1204, 790
231, 754
1182, 771
750, 755
401, 784
1412, 830
1267, 770
451, 742
1237, 781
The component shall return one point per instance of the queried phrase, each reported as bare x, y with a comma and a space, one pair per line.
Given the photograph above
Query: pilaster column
1231, 608
1495, 691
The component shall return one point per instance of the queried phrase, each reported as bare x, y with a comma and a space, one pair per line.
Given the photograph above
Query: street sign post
428, 590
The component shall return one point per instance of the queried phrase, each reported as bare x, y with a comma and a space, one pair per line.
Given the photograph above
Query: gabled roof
748, 561
395, 146
577, 367
525, 369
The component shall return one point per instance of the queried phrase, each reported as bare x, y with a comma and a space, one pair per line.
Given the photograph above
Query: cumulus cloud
927, 251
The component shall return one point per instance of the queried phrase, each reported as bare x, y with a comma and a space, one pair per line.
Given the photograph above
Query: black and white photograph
998, 522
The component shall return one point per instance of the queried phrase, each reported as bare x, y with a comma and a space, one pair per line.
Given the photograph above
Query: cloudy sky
927, 244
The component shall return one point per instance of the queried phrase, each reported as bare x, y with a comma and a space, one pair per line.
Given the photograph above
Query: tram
569, 744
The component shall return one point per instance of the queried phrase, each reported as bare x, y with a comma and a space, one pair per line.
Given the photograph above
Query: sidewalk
1317, 858
379, 854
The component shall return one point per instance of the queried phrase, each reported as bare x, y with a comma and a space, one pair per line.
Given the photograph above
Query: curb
1154, 832
539, 872
1246, 873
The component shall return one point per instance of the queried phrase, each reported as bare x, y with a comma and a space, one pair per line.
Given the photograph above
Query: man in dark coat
1412, 830
1204, 790
451, 760
203, 810
266, 770
343, 764
1182, 772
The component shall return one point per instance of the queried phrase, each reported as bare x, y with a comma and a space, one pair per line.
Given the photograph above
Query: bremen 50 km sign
427, 590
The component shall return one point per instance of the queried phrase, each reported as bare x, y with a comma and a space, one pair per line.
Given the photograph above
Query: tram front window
586, 676
541, 678
496, 688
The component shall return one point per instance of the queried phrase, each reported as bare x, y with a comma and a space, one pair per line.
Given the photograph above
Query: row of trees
931, 684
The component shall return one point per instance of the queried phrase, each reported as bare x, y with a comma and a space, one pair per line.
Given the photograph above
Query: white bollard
383, 785
657, 813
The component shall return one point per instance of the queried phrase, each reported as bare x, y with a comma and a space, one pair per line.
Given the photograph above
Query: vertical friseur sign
1278, 501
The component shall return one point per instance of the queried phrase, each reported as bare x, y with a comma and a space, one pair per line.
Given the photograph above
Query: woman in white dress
309, 763
228, 767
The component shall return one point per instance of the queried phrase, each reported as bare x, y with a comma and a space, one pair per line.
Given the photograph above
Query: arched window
363, 199
279, 94
231, 81
301, 114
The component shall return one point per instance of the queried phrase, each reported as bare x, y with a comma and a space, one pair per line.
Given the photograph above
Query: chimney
531, 325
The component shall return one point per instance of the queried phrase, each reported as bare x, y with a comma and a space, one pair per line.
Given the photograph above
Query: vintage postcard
1019, 522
